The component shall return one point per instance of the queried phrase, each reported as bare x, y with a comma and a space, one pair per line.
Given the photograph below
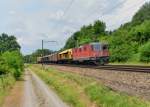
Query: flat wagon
65, 56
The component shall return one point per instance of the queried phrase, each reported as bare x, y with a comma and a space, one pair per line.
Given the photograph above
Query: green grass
6, 82
71, 88
106, 98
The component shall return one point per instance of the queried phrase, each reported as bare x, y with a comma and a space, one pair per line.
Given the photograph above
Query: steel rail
129, 68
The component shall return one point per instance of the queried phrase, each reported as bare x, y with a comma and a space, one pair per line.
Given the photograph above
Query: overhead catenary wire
65, 11
107, 12
68, 8
125, 11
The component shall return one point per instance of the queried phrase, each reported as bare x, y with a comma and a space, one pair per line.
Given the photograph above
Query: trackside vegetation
11, 64
79, 91
6, 83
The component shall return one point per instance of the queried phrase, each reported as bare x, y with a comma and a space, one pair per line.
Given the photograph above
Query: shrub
12, 62
145, 52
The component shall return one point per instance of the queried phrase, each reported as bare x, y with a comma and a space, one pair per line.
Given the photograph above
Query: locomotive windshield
96, 47
99, 47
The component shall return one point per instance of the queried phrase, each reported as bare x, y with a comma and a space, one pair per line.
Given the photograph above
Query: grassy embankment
79, 91
6, 82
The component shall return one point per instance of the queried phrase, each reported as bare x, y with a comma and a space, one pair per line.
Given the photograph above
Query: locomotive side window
84, 48
80, 49
92, 47
76, 50
105, 47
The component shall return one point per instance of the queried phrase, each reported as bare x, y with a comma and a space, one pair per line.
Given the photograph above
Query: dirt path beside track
37, 94
33, 93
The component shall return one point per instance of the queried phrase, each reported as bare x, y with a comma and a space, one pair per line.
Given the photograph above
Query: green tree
11, 60
120, 46
99, 27
141, 33
8, 43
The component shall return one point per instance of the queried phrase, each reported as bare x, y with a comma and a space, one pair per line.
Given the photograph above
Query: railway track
129, 68
144, 69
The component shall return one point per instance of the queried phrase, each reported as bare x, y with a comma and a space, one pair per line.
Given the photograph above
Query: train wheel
102, 62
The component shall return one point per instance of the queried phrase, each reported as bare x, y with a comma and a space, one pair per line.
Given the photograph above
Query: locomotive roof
95, 43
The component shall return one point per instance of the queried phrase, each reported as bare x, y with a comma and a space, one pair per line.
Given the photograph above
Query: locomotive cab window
96, 47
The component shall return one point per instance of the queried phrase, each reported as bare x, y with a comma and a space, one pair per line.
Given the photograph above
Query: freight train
96, 53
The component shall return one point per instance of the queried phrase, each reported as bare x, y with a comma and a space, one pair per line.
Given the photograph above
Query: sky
32, 21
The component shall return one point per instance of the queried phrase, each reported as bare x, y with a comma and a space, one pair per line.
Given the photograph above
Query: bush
134, 58
4, 69
145, 52
121, 49
11, 62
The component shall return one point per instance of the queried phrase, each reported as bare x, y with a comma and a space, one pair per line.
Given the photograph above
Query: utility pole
43, 49
77, 43
42, 52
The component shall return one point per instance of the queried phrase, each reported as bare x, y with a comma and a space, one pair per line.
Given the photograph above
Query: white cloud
12, 12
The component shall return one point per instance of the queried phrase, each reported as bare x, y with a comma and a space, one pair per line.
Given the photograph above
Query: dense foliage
145, 52
38, 53
11, 60
130, 42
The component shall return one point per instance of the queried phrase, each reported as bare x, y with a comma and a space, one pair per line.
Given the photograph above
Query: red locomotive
93, 52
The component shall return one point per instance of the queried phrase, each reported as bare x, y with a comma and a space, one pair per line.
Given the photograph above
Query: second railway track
144, 69
129, 68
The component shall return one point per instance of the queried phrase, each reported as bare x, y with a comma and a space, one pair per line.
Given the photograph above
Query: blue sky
33, 20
